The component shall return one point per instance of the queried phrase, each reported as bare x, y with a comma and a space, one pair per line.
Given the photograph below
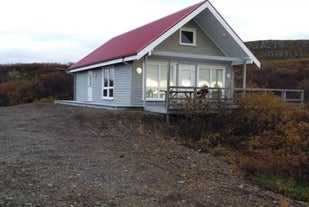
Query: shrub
19, 92
274, 136
266, 136
26, 83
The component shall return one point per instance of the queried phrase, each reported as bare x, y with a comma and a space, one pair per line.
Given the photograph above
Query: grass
287, 187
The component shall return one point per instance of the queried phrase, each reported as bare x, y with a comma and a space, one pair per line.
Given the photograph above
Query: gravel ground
56, 155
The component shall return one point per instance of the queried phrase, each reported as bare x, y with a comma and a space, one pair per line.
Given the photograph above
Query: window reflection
211, 77
156, 80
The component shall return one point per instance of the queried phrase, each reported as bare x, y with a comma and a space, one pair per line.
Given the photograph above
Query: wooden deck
176, 97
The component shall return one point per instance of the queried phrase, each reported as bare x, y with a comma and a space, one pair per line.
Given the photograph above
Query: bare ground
56, 155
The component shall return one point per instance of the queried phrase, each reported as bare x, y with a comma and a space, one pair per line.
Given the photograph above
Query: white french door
186, 75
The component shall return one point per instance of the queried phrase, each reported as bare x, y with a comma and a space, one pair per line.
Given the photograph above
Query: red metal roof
132, 42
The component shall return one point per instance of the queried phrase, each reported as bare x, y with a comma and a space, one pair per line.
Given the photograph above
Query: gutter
102, 64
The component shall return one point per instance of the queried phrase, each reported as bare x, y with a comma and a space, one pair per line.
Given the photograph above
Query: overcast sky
66, 30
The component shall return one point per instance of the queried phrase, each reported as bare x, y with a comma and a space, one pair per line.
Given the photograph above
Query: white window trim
212, 67
186, 29
160, 64
108, 87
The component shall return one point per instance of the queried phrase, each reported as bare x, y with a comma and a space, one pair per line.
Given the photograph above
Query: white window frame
172, 78
212, 68
160, 64
108, 87
186, 29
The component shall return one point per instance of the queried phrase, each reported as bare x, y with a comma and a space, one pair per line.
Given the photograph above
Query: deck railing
178, 93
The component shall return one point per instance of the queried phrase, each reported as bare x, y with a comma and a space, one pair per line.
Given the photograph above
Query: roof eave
208, 5
105, 63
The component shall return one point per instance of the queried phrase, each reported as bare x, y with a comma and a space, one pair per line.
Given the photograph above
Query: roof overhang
213, 24
207, 13
106, 63
223, 35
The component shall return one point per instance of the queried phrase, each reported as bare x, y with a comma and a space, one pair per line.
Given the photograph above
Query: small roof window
188, 36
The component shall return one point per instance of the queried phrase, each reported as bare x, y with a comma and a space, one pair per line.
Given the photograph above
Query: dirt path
55, 155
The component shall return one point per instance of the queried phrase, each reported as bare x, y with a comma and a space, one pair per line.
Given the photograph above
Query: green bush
287, 187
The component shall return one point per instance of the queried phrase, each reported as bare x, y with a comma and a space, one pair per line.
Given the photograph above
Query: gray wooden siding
204, 45
81, 86
137, 84
97, 86
123, 85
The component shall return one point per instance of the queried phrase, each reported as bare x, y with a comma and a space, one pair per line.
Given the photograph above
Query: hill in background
284, 65
279, 49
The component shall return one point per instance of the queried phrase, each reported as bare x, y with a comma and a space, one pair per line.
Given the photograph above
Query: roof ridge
192, 8
195, 6
133, 41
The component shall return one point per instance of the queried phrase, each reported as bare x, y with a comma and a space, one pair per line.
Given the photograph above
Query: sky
64, 31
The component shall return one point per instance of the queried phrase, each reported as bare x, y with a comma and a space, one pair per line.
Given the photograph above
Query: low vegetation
266, 139
27, 83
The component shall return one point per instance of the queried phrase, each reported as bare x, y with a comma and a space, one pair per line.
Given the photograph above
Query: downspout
167, 101
75, 89
144, 81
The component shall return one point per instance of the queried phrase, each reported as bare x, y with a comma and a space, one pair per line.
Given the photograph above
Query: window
217, 78
210, 76
108, 83
204, 77
188, 36
156, 80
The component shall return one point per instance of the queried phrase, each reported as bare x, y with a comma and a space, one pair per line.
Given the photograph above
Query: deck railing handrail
229, 93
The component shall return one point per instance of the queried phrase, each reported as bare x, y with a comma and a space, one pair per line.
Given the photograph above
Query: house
189, 49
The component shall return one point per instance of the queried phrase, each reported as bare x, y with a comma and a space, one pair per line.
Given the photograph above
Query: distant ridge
279, 49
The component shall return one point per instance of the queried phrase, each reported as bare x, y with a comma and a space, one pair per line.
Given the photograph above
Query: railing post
302, 97
167, 98
283, 95
244, 80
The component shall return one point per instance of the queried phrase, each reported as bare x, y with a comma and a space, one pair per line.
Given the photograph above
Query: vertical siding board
204, 45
